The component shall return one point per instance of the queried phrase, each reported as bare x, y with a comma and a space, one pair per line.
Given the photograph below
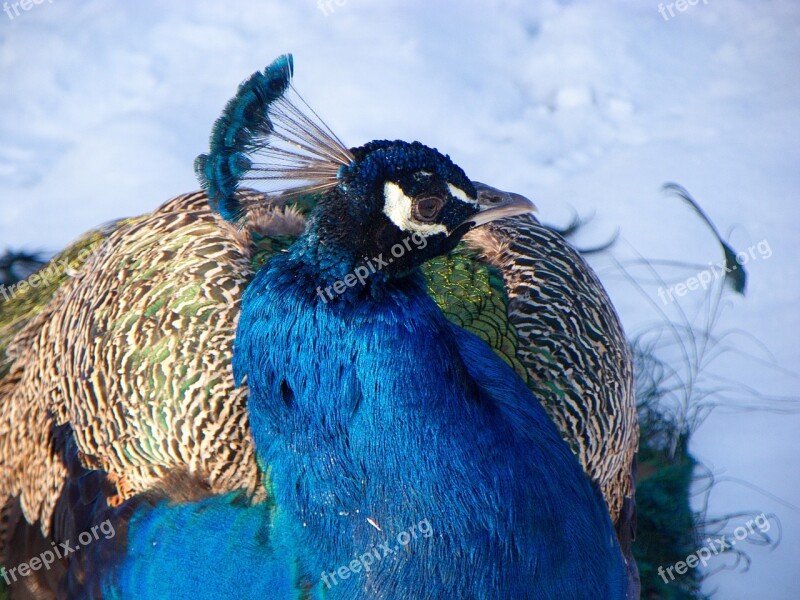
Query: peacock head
400, 204
392, 202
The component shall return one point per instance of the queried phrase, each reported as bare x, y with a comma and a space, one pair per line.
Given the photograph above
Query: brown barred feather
134, 352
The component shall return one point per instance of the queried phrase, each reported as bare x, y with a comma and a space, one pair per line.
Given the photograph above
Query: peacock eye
426, 209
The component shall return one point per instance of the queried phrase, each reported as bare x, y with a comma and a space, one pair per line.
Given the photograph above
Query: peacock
378, 378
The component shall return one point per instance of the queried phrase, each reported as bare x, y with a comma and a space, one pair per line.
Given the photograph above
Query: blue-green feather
244, 118
219, 547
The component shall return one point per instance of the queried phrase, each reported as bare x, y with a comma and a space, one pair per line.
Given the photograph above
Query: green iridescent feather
471, 294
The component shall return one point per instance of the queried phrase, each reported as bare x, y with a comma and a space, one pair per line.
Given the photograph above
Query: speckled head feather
397, 161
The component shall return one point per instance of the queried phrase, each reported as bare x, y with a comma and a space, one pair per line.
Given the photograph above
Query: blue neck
333, 276
369, 417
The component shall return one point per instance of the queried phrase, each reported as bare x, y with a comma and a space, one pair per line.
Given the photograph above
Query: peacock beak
496, 204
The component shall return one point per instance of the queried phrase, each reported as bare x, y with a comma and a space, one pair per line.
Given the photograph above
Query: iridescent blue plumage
374, 416
217, 548
381, 413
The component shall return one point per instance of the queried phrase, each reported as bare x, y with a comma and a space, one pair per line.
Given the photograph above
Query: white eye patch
461, 194
397, 206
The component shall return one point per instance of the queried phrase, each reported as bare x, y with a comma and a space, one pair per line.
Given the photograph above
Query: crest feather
268, 133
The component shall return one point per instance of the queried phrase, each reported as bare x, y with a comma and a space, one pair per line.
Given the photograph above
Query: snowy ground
591, 105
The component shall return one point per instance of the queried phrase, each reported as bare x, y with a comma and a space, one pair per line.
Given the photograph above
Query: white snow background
590, 105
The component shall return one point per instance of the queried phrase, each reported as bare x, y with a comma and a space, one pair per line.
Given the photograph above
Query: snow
586, 105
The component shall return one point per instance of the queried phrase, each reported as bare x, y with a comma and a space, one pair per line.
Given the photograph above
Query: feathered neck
371, 420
